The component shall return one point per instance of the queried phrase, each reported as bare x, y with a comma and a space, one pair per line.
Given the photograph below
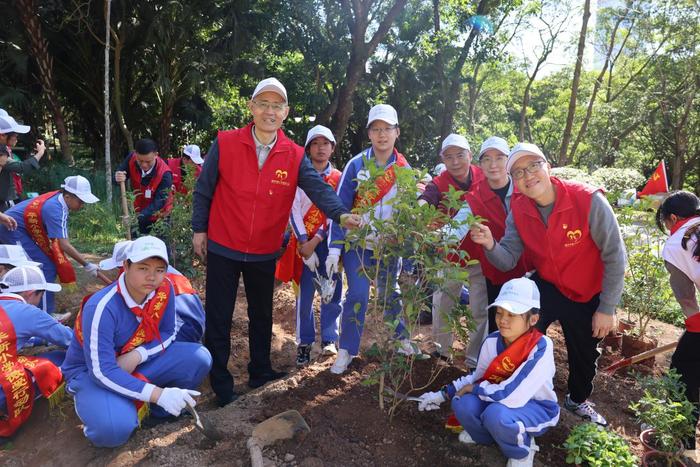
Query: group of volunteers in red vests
549, 250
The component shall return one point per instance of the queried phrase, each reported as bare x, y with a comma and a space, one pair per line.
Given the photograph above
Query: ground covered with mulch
347, 425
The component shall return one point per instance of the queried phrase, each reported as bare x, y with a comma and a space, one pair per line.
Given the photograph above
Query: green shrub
574, 174
592, 445
616, 180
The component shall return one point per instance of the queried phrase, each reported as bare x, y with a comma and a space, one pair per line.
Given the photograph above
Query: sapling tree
418, 234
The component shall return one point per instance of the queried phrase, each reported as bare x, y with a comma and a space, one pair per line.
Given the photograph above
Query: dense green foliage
181, 70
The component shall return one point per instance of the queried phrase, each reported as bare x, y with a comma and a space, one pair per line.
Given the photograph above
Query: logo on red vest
574, 236
280, 177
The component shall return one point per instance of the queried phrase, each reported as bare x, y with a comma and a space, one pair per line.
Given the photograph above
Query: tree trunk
118, 46
358, 20
566, 137
40, 51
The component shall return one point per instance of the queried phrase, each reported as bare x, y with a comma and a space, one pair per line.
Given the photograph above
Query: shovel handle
103, 278
125, 210
638, 358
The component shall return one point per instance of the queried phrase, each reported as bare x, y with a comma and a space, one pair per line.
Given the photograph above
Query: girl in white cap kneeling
509, 399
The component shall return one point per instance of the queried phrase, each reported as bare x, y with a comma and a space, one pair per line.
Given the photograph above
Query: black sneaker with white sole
303, 355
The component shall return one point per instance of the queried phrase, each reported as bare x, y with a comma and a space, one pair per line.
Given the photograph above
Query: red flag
658, 183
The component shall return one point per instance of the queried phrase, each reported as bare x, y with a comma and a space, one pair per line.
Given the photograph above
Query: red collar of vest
562, 200
247, 138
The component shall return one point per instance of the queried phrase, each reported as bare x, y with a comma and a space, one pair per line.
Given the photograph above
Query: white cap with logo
193, 152
383, 112
16, 256
497, 143
518, 296
10, 125
118, 255
147, 247
24, 278
80, 187
454, 139
522, 150
272, 85
319, 130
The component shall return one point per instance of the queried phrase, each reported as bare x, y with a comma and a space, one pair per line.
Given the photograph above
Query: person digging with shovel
307, 249
509, 399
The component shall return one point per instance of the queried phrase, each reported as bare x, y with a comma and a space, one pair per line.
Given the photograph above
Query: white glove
430, 401
91, 268
311, 262
173, 400
332, 264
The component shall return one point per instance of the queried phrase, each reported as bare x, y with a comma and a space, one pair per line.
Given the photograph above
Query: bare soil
347, 426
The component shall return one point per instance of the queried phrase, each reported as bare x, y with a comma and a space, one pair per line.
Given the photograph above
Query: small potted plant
668, 414
592, 445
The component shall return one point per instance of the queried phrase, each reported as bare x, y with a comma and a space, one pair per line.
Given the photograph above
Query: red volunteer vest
485, 203
443, 182
175, 165
141, 202
250, 208
563, 252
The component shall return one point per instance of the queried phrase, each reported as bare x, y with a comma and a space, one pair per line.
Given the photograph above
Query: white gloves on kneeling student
431, 401
332, 263
173, 400
311, 262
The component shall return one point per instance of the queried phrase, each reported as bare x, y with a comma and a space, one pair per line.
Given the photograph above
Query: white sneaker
329, 348
406, 347
527, 461
585, 410
465, 438
341, 362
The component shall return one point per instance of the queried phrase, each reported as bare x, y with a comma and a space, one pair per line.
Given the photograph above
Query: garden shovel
638, 358
286, 425
204, 426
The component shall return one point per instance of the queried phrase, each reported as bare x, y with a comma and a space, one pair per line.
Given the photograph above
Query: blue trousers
330, 312
511, 428
357, 264
110, 418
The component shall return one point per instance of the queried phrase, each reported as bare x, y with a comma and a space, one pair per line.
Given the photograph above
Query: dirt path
347, 427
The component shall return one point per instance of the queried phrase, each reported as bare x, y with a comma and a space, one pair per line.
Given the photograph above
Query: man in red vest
241, 207
151, 180
570, 235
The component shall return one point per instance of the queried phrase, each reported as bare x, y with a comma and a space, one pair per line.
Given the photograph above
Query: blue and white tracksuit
189, 315
31, 322
514, 411
357, 259
104, 393
330, 312
54, 214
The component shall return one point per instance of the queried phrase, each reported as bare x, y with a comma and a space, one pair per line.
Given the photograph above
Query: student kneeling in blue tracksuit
124, 351
509, 399
189, 311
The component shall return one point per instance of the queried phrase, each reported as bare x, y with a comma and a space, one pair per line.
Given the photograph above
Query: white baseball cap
80, 187
383, 112
23, 278
440, 168
454, 139
10, 125
522, 150
118, 255
319, 130
16, 256
193, 152
497, 143
518, 296
147, 247
272, 85
3, 113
